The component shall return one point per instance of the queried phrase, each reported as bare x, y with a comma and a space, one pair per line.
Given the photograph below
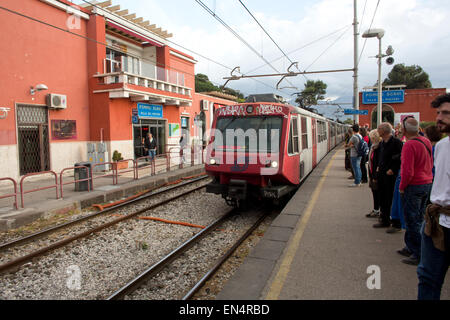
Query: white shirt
440, 192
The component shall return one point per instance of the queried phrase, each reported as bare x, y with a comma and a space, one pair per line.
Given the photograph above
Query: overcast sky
318, 34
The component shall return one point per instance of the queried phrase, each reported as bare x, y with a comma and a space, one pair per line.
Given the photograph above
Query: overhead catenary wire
106, 45
302, 47
185, 48
365, 40
235, 34
328, 48
270, 37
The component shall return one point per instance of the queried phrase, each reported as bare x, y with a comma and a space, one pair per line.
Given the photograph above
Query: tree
313, 92
413, 76
202, 83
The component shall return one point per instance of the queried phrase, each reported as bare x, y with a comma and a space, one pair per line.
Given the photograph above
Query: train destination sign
244, 110
390, 96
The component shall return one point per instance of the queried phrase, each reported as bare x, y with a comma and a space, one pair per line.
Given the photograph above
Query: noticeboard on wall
64, 129
174, 129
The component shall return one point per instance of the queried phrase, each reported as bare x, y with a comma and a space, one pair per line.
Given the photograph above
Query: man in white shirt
435, 247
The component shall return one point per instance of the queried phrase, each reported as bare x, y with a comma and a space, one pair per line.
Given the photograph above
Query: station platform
322, 247
43, 203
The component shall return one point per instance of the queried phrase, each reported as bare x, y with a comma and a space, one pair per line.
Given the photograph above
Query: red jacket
417, 163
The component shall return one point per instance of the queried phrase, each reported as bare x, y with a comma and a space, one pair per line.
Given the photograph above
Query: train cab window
249, 134
293, 136
304, 134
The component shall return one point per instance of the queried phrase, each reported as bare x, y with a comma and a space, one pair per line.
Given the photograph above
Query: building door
33, 139
158, 130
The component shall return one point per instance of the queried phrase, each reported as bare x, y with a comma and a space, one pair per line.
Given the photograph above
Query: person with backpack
357, 150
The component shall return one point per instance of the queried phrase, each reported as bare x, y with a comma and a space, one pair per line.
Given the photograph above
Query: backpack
363, 148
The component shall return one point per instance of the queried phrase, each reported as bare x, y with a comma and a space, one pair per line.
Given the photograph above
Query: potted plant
117, 157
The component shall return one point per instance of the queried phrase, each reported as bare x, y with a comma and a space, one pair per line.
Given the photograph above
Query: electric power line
235, 33
265, 31
184, 48
364, 45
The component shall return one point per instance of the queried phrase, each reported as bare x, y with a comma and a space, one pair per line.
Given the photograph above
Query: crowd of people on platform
408, 172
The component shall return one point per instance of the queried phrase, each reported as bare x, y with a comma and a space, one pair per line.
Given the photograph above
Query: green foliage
202, 84
412, 76
117, 156
348, 121
233, 92
424, 124
313, 92
386, 116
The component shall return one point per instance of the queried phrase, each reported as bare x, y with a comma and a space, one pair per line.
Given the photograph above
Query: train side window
293, 136
304, 134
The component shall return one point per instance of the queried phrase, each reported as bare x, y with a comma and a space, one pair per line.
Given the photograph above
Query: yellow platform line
280, 278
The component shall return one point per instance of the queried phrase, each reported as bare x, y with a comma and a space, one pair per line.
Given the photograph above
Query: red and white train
265, 149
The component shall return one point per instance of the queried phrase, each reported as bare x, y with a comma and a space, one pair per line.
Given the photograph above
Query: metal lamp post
379, 33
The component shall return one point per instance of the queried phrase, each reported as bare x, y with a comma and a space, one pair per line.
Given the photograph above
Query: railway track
17, 280
139, 281
58, 244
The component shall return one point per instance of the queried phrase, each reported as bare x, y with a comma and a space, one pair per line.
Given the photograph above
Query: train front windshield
248, 134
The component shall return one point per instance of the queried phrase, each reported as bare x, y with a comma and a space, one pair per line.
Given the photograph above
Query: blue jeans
356, 165
151, 153
397, 205
432, 267
414, 203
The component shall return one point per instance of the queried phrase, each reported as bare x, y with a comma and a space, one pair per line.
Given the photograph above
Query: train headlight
274, 164
212, 161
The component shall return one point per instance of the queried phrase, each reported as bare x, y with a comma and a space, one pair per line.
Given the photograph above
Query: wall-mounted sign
4, 112
389, 96
150, 110
174, 129
64, 129
353, 111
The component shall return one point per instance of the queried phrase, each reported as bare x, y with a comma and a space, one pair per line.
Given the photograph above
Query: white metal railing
151, 76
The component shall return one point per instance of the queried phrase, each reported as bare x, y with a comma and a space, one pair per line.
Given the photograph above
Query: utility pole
355, 62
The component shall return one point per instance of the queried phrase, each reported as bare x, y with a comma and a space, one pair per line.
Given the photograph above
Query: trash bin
82, 173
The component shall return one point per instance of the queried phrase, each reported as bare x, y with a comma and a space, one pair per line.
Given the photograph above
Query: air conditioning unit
56, 101
204, 105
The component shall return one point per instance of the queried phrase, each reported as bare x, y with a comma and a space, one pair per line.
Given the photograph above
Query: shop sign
150, 110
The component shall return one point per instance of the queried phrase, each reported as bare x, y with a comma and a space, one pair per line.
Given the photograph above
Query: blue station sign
353, 111
149, 110
390, 96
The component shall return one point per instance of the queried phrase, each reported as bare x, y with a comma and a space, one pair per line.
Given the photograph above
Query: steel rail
224, 258
18, 261
40, 234
155, 268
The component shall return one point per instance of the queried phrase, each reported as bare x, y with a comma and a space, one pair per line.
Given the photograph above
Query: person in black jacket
373, 158
388, 169
150, 146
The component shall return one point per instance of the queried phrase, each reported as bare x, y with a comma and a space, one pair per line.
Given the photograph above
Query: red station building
397, 103
94, 78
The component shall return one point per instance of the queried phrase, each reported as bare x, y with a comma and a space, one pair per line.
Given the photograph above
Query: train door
329, 137
314, 142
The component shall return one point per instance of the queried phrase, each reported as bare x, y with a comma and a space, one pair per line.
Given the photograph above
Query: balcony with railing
143, 79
